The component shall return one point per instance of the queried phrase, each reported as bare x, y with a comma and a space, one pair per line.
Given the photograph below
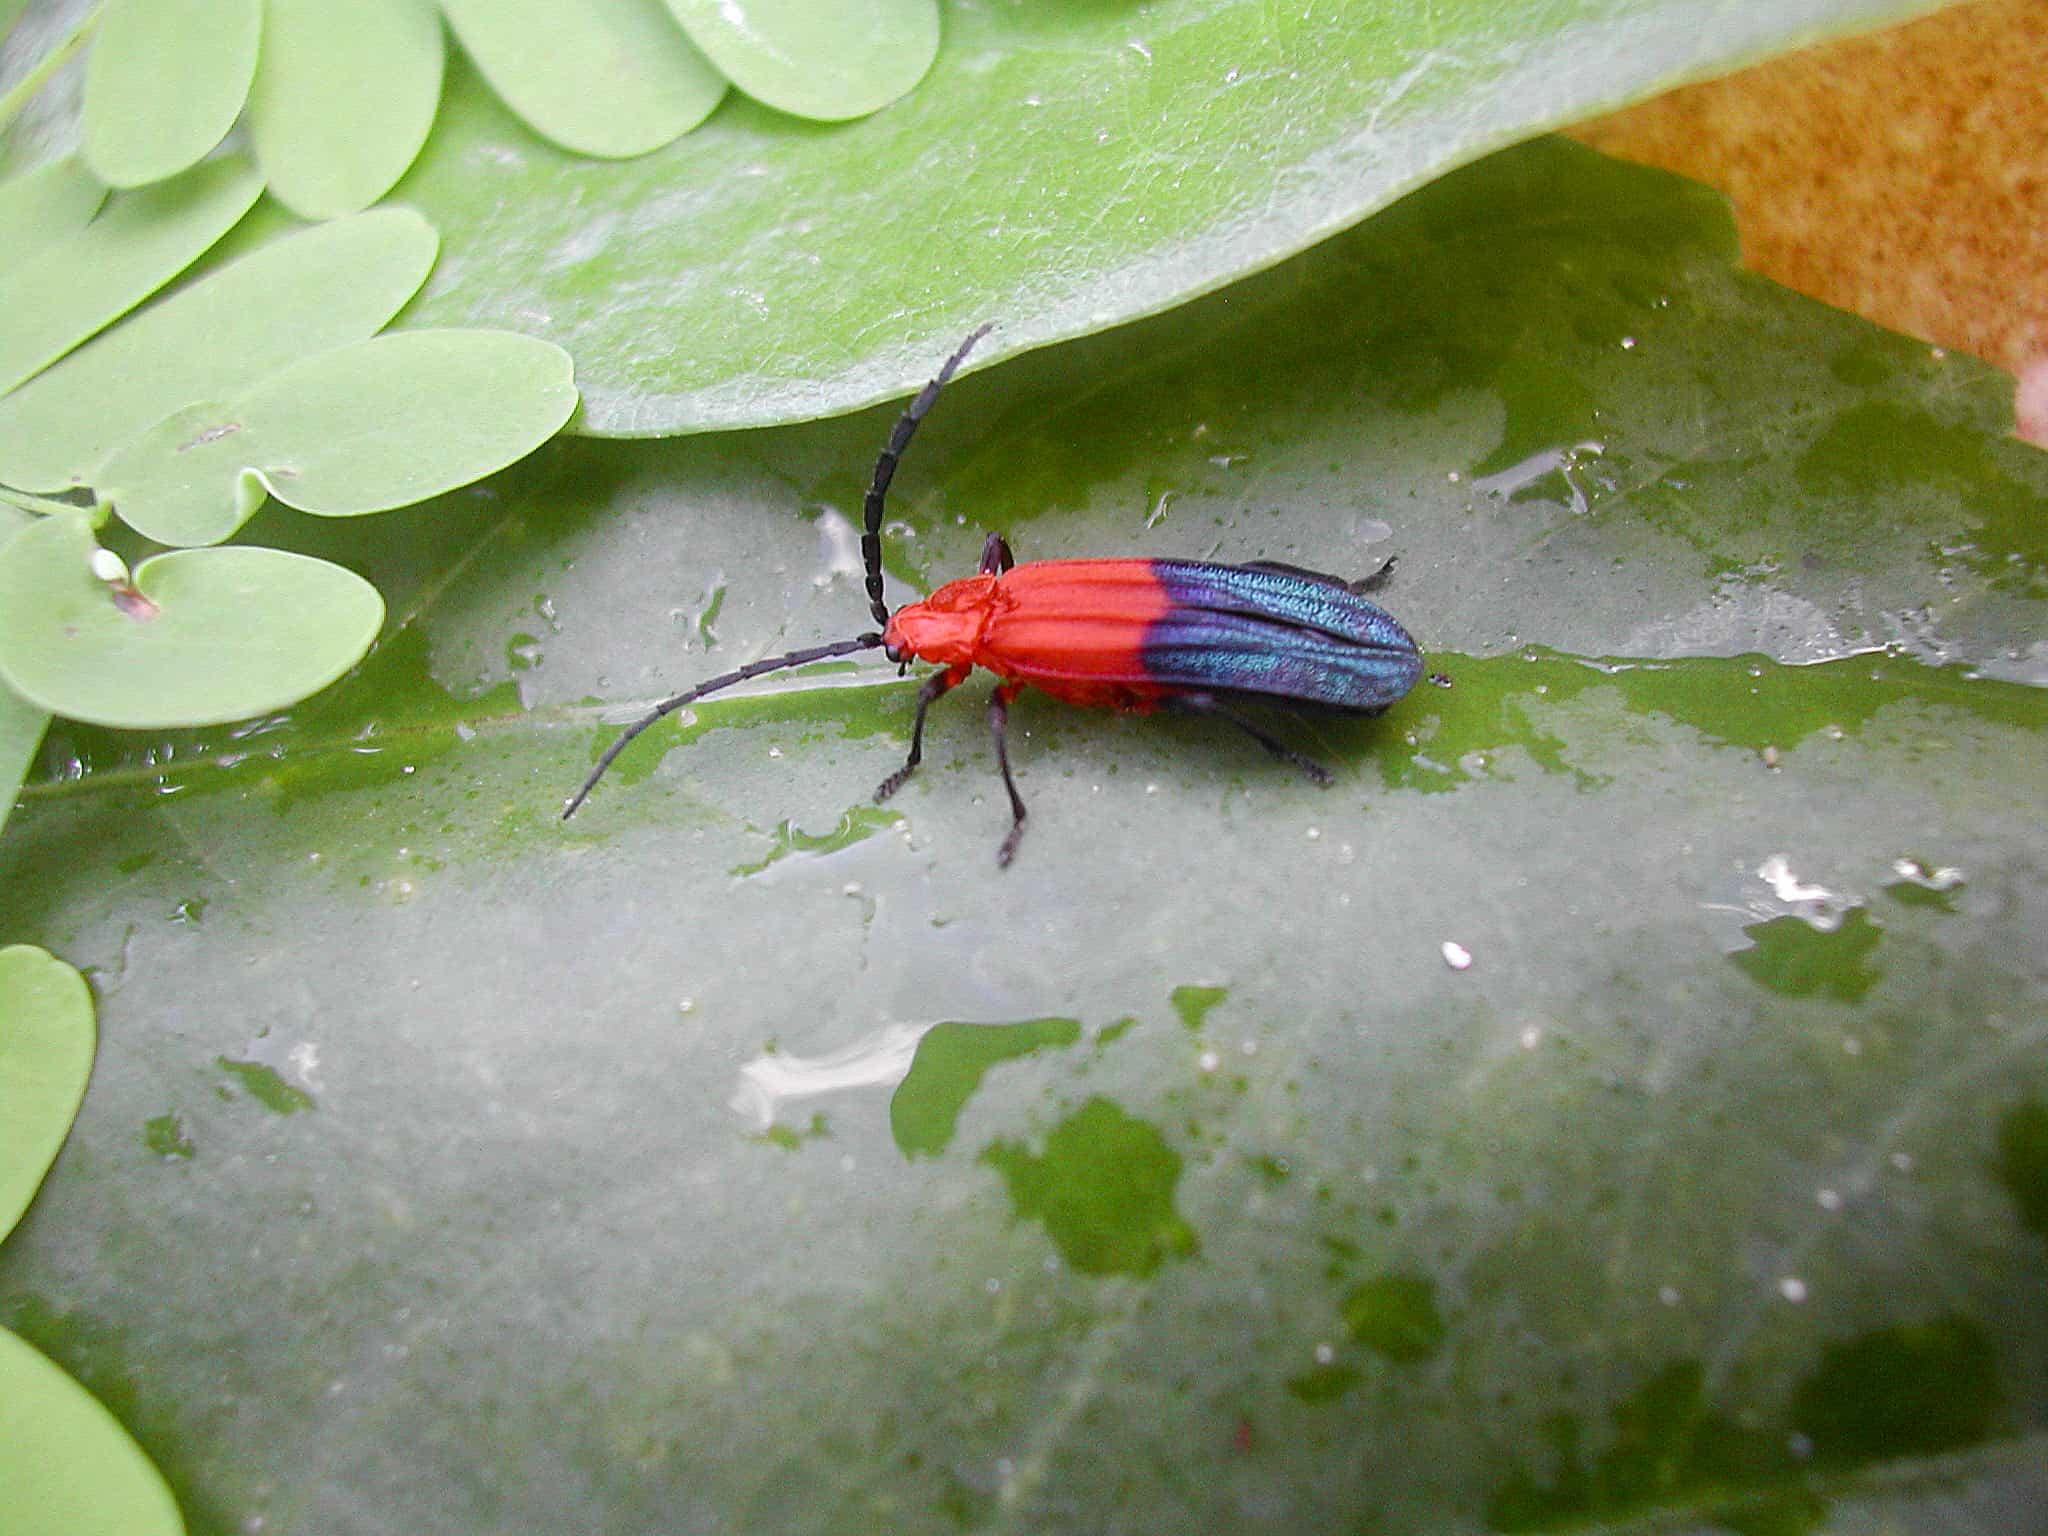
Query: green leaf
70, 286
423, 1092
56, 199
165, 81
220, 634
306, 293
187, 480
1064, 168
835, 60
21, 732
46, 1044
378, 424
343, 99
66, 1462
613, 77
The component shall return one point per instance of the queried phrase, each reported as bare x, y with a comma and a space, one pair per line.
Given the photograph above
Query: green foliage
216, 337
439, 1065
828, 59
365, 427
1395, 1316
264, 377
203, 635
21, 731
1916, 1389
140, 128
46, 1045
51, 202
65, 1462
252, 382
2023, 1162
1064, 168
947, 1071
344, 96
1799, 958
617, 79
340, 98
1104, 1188
1595, 1230
77, 279
1665, 1445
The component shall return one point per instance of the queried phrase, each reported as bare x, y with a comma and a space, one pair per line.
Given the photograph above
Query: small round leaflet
46, 1045
137, 129
613, 78
363, 428
216, 338
56, 199
64, 289
224, 633
343, 99
66, 1463
828, 59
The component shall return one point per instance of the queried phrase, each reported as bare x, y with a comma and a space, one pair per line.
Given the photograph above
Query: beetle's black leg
1376, 580
934, 686
995, 555
1360, 587
999, 720
1209, 704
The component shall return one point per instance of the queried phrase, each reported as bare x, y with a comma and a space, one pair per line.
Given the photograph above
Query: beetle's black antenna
666, 707
885, 471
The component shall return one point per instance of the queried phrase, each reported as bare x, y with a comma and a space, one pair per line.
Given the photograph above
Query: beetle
1130, 634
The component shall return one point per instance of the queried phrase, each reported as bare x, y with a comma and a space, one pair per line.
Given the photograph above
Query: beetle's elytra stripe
1305, 672
1282, 596
1277, 633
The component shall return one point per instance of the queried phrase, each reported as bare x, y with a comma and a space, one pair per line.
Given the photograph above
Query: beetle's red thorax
946, 627
1072, 628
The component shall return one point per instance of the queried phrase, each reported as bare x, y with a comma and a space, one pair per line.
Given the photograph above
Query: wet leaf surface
449, 1166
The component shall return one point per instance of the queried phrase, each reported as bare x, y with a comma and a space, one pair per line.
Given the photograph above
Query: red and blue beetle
1130, 634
